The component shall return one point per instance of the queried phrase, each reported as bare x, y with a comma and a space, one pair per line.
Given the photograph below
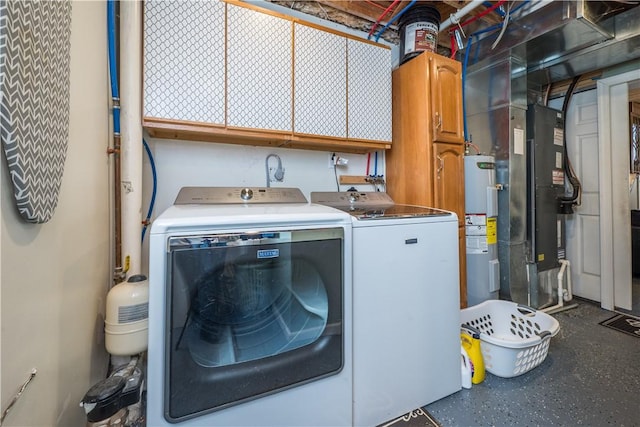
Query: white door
615, 236
583, 227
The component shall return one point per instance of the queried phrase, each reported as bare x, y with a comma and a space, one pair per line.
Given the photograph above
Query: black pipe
567, 202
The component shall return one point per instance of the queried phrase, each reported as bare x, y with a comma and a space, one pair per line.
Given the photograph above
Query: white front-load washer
250, 311
406, 304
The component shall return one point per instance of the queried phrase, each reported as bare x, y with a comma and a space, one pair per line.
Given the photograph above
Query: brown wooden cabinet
445, 84
425, 165
448, 179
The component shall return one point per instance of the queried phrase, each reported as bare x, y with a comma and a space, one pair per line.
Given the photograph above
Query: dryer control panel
238, 195
351, 199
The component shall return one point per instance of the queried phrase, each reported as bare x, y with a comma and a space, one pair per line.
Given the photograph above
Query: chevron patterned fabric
34, 101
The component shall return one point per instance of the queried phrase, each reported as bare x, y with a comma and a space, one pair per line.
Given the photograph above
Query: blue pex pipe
113, 72
395, 18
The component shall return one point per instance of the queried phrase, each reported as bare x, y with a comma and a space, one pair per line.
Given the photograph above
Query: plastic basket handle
526, 310
543, 334
468, 328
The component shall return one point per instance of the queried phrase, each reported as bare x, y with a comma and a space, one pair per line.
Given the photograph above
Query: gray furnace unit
546, 185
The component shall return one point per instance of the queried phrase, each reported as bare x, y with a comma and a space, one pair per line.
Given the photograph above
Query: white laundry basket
514, 338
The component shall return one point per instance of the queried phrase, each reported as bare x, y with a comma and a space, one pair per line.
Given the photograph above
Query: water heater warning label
492, 230
481, 232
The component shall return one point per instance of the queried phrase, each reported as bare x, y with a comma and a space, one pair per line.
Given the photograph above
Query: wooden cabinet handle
440, 166
438, 120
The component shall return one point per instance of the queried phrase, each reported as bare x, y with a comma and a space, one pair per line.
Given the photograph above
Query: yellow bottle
471, 344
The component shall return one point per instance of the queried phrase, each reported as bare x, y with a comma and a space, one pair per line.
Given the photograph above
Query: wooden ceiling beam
357, 8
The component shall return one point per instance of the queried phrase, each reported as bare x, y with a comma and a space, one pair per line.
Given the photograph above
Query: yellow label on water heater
492, 231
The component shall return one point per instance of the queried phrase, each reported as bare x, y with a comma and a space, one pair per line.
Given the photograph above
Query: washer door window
251, 314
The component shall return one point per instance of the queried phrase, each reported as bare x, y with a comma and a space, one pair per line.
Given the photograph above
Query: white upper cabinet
184, 51
230, 72
369, 91
320, 82
259, 70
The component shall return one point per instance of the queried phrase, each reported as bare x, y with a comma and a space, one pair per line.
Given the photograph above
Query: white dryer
406, 304
249, 311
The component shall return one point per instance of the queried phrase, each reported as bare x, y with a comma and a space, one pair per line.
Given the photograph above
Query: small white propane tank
127, 317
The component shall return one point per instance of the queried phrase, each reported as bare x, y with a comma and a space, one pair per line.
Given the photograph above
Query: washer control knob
246, 194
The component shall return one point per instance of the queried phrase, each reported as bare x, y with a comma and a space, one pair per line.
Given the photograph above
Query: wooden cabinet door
259, 70
320, 82
448, 180
446, 99
369, 91
184, 51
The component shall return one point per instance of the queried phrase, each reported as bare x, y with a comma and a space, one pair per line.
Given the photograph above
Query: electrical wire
504, 27
335, 174
483, 13
576, 194
520, 6
490, 9
395, 18
152, 202
488, 4
547, 92
386, 11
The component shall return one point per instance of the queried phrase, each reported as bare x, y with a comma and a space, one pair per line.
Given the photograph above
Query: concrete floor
591, 377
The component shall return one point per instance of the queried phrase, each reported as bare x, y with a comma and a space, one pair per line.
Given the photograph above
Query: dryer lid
372, 205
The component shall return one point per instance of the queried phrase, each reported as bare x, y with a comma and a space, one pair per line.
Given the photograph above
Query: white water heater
481, 228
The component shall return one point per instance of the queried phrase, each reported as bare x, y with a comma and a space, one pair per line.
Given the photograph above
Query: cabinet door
369, 86
184, 61
320, 82
446, 99
448, 185
259, 70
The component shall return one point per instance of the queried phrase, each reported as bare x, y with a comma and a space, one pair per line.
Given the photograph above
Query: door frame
613, 119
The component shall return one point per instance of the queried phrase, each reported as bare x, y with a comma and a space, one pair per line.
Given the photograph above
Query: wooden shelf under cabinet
191, 131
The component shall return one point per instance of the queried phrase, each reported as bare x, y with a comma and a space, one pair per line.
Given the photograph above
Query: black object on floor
623, 323
417, 418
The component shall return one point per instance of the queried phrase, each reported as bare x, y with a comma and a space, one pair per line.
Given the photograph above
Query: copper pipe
117, 196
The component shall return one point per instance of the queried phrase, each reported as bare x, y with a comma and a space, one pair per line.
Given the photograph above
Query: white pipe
131, 125
563, 295
568, 294
455, 17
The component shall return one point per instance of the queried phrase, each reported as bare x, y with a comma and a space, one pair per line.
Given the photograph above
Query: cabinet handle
440, 165
438, 120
